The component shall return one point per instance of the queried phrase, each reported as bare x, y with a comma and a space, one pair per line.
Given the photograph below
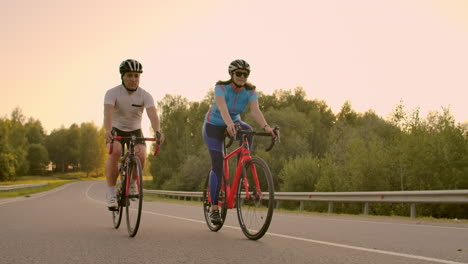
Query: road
72, 225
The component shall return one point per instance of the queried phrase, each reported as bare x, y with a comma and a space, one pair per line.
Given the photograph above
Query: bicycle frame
130, 154
244, 152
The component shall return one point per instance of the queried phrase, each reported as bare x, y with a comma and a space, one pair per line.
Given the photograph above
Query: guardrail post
277, 204
413, 210
366, 208
330, 207
301, 206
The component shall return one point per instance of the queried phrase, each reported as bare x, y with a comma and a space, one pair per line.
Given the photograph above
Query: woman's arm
259, 118
221, 103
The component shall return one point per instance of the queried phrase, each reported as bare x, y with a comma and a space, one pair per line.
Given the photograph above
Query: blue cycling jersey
236, 102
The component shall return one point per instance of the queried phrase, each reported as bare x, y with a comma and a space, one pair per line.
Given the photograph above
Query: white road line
384, 252
373, 222
366, 249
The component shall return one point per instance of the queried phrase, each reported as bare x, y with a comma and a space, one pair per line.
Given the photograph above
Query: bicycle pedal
134, 197
123, 203
114, 209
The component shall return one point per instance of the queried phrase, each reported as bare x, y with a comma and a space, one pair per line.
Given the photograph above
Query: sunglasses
239, 74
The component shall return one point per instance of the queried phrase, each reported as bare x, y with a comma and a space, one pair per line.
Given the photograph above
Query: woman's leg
213, 137
246, 126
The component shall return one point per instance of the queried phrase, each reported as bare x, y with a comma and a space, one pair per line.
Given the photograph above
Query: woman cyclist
231, 99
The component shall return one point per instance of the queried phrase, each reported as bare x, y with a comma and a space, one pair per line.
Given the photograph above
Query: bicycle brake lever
277, 133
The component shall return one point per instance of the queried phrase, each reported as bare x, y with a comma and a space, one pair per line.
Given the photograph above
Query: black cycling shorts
125, 142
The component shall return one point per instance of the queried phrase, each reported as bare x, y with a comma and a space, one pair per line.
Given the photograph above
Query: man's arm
108, 113
154, 119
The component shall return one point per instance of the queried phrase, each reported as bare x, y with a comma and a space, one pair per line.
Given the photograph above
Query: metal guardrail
21, 186
412, 197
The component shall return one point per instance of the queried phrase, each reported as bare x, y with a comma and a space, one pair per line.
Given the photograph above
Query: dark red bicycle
130, 168
251, 191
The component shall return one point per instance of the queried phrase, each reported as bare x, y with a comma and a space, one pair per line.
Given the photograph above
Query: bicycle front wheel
255, 199
207, 205
117, 215
135, 198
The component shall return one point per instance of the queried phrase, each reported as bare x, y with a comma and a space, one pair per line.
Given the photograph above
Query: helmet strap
130, 90
236, 86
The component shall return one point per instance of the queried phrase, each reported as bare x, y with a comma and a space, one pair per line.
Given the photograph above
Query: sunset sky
60, 57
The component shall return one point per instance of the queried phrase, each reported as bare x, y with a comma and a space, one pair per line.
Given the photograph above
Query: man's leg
140, 151
112, 172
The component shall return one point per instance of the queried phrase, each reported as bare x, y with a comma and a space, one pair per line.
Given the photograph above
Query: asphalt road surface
71, 224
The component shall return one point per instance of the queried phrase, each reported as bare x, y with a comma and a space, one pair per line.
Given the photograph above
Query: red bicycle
130, 168
251, 191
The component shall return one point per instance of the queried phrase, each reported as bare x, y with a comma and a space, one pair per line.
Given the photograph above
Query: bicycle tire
256, 211
134, 202
207, 205
117, 215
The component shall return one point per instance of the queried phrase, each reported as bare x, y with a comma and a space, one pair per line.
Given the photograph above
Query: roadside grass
31, 190
58, 180
417, 220
53, 181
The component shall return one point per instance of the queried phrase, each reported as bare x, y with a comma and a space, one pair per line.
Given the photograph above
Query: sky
59, 57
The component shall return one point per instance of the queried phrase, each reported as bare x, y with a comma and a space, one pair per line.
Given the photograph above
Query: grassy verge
27, 191
418, 220
53, 180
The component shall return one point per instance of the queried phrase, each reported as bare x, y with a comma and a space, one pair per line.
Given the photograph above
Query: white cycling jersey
128, 106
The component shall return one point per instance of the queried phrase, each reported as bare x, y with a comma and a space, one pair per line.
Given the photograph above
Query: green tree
7, 166
73, 146
7, 158
191, 174
92, 149
174, 116
300, 174
38, 158
34, 131
347, 114
18, 141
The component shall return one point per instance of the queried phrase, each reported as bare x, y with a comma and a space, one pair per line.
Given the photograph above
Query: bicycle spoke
134, 200
207, 206
255, 208
117, 215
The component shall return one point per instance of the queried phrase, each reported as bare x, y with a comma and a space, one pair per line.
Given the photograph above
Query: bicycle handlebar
263, 134
156, 149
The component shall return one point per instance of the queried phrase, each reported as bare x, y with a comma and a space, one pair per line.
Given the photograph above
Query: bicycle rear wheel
255, 199
134, 201
117, 215
207, 205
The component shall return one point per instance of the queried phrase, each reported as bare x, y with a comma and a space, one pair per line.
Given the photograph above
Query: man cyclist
123, 109
231, 99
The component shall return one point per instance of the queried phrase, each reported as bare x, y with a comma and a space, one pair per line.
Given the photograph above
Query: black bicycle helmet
239, 64
130, 66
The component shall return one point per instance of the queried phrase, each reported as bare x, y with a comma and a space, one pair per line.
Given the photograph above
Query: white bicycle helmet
239, 64
130, 65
